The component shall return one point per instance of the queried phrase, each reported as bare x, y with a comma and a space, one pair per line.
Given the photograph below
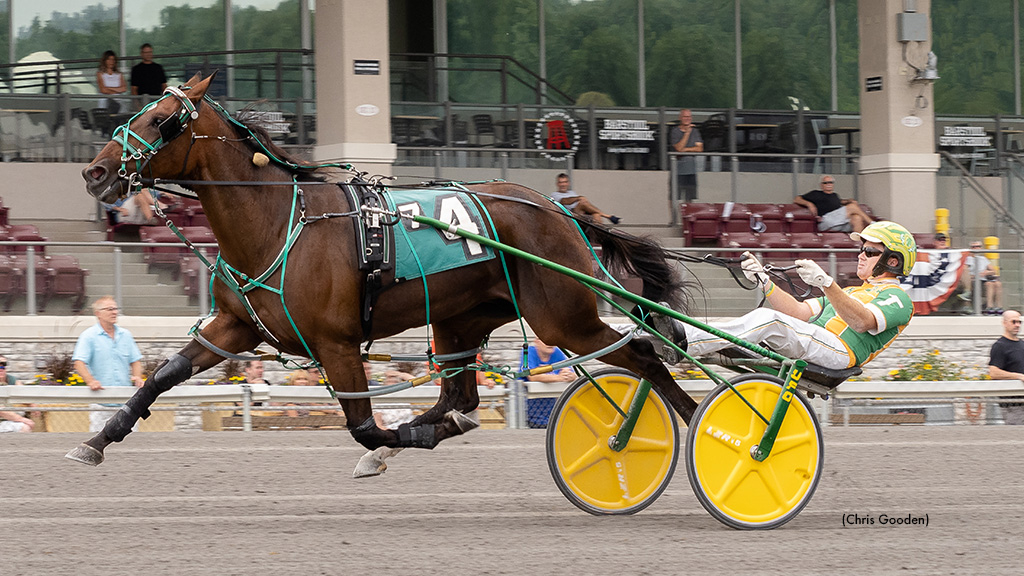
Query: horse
318, 314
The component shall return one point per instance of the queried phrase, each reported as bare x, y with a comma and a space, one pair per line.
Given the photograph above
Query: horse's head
133, 150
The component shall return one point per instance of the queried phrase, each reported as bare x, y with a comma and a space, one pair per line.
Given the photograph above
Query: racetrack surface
284, 503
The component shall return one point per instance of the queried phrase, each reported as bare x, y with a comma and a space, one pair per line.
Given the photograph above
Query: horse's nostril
97, 172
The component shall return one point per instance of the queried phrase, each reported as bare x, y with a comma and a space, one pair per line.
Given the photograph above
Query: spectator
573, 201
833, 213
14, 422
137, 209
540, 354
110, 80
6, 378
991, 285
847, 327
106, 355
1006, 362
942, 243
254, 372
686, 138
298, 378
148, 77
315, 377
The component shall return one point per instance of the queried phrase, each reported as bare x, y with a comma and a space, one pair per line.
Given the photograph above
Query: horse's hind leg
225, 332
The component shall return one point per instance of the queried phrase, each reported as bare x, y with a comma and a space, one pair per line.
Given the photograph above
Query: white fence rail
512, 400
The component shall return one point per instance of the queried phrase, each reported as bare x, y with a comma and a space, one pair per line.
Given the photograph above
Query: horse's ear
194, 79
199, 88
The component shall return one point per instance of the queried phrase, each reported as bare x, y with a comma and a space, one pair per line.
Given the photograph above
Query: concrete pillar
353, 109
898, 160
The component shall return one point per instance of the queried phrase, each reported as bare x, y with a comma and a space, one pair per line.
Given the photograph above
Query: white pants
784, 334
11, 426
99, 417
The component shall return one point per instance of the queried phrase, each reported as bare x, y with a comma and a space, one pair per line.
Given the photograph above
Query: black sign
367, 67
873, 84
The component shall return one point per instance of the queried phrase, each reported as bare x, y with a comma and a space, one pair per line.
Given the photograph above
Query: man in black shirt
1006, 361
832, 212
148, 77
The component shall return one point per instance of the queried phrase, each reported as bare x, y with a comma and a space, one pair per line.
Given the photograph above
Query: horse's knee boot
369, 435
419, 436
172, 371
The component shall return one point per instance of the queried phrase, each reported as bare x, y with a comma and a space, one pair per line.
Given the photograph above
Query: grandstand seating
67, 279
772, 215
798, 219
195, 216
700, 222
22, 233
925, 241
703, 223
170, 256
17, 283
3, 213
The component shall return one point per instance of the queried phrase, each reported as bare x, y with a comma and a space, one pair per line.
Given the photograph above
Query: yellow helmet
897, 240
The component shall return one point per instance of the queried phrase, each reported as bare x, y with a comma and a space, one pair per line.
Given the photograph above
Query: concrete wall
46, 191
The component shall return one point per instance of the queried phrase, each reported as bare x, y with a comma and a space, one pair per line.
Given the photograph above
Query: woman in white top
110, 81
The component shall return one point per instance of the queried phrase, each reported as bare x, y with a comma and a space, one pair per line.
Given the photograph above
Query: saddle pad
421, 249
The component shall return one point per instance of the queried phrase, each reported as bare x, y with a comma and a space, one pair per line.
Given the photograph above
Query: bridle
170, 128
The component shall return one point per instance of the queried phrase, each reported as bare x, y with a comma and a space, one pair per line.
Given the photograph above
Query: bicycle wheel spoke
592, 456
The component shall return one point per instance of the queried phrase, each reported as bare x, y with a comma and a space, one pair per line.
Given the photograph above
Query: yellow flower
935, 352
910, 350
893, 372
918, 377
927, 366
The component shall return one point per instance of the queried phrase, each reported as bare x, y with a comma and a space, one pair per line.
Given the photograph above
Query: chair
701, 222
798, 219
43, 272
10, 281
738, 219
807, 240
924, 241
772, 215
742, 240
25, 233
195, 216
483, 125
67, 279
114, 227
817, 125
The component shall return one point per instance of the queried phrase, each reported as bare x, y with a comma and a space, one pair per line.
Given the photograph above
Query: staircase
144, 293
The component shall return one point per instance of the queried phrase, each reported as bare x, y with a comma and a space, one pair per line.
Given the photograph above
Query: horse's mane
299, 166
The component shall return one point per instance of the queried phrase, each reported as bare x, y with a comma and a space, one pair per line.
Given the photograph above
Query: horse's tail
642, 257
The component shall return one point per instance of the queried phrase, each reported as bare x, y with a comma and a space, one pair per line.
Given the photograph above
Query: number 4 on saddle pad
424, 250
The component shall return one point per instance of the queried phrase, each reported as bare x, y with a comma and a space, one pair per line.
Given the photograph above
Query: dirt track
284, 503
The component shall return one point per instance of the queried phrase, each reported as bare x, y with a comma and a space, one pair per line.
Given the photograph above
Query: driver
846, 327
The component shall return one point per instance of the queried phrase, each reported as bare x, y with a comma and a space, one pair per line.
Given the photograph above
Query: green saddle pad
423, 250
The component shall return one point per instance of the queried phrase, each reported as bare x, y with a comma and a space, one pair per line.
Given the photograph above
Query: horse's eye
158, 120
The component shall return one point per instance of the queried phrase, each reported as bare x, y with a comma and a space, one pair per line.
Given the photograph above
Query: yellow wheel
736, 489
589, 473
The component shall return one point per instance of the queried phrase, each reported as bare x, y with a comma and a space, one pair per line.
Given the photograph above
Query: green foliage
927, 365
593, 98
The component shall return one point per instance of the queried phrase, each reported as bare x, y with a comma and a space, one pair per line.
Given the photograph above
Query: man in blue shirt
106, 355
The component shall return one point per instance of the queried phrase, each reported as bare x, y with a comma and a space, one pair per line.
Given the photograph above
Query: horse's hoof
463, 422
369, 465
86, 455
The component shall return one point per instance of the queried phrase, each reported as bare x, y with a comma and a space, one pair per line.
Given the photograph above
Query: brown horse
185, 137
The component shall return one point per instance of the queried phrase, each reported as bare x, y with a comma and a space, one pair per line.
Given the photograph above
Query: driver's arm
851, 310
784, 302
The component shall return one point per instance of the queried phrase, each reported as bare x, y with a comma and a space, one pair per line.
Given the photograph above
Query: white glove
753, 269
812, 274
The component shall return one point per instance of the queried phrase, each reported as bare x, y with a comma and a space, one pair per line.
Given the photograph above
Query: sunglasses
1014, 321
870, 252
3, 364
828, 182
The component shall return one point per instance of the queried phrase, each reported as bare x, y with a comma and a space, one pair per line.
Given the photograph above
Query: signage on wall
631, 131
367, 67
558, 135
873, 84
965, 137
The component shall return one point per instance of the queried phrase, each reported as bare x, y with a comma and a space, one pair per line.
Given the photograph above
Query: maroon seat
799, 219
24, 233
43, 276
700, 222
807, 240
775, 240
772, 215
741, 240
738, 219
924, 241
196, 216
170, 256
3, 213
67, 279
10, 281
190, 266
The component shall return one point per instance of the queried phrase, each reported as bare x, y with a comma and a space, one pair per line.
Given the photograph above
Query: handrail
993, 203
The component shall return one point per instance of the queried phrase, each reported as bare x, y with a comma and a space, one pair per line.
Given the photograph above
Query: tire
586, 470
736, 489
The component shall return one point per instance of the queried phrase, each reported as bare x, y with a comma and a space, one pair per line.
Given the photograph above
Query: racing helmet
896, 240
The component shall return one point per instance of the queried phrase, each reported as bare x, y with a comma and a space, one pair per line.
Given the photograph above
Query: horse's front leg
190, 360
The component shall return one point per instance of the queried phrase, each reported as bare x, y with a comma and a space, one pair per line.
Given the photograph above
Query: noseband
169, 129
